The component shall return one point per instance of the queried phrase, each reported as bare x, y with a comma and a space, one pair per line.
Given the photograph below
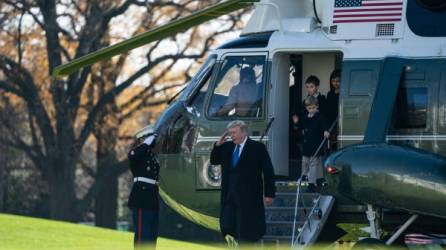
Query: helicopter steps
312, 212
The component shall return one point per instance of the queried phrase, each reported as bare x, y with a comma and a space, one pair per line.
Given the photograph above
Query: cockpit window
201, 76
197, 100
239, 89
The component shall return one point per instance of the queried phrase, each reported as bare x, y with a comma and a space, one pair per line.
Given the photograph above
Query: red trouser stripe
139, 223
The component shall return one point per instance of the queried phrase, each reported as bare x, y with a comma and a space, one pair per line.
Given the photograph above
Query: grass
21, 233
18, 232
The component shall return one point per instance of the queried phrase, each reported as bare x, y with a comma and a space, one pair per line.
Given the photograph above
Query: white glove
149, 140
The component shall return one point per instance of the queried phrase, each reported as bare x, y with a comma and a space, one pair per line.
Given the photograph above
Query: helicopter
392, 103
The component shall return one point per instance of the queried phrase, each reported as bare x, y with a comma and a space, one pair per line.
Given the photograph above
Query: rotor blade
154, 34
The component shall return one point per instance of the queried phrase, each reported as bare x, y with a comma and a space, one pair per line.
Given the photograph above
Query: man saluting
244, 192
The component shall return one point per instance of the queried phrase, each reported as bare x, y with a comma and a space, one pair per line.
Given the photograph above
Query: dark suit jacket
253, 164
143, 163
313, 133
331, 107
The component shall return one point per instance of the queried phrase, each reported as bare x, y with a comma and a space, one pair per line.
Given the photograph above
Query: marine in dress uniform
144, 197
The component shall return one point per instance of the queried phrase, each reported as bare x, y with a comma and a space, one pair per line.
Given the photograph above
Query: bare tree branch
143, 92
35, 140
15, 139
23, 79
107, 98
48, 9
27, 8
8, 88
19, 39
87, 169
144, 102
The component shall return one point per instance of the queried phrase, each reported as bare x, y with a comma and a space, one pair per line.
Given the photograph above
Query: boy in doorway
312, 87
314, 128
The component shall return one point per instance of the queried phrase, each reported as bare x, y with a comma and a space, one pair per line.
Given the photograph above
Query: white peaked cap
145, 131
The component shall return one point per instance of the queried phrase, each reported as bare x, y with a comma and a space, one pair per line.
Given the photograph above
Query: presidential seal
212, 174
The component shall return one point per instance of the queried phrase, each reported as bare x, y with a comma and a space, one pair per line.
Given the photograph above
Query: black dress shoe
321, 182
311, 188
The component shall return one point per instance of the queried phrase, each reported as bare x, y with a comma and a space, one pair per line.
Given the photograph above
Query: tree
63, 116
21, 188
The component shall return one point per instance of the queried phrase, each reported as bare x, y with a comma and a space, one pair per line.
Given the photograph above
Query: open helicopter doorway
288, 75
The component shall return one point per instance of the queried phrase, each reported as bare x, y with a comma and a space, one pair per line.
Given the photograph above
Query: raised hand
222, 138
295, 119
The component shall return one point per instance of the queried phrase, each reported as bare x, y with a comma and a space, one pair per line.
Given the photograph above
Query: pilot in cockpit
243, 97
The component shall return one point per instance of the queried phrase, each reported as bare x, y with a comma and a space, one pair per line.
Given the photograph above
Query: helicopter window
239, 88
411, 108
197, 100
361, 82
198, 78
427, 17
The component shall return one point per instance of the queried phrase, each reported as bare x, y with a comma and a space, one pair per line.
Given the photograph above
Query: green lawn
18, 232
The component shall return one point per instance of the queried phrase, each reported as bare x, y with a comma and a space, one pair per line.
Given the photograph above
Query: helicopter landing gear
374, 218
374, 230
374, 242
402, 229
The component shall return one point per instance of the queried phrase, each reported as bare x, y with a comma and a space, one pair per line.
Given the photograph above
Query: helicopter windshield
201, 74
240, 87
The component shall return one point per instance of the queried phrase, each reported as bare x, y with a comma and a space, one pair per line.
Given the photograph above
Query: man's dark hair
313, 79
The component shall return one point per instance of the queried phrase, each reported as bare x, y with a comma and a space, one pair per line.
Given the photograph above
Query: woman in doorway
332, 107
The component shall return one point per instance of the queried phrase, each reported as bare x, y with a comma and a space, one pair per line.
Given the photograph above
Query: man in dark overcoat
247, 183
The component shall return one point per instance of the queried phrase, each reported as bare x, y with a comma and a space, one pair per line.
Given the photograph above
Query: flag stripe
367, 15
364, 9
367, 20
381, 4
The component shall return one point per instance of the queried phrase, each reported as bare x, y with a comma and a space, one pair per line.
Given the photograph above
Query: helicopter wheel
369, 244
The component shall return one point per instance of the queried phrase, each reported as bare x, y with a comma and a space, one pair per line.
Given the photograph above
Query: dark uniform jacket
143, 163
253, 162
313, 133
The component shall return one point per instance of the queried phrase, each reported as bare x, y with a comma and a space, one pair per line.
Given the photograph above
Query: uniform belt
144, 179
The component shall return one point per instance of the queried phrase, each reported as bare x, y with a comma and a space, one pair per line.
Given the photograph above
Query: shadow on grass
174, 226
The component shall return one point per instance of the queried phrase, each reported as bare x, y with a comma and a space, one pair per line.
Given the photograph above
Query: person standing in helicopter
332, 106
243, 97
144, 196
312, 87
314, 128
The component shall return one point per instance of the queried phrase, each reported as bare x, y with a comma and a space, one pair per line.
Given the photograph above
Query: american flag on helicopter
367, 11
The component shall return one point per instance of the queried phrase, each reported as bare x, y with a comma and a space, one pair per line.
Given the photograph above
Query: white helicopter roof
377, 29
358, 28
